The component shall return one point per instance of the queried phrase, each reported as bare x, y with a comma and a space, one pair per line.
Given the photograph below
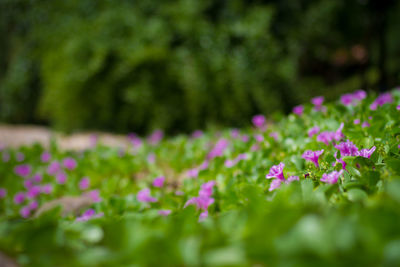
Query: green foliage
180, 64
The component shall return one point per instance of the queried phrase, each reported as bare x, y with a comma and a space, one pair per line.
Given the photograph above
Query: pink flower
22, 170
3, 192
33, 205
317, 101
197, 134
89, 214
274, 135
156, 137
254, 147
235, 133
218, 149
331, 178
347, 149
144, 196
366, 153
159, 181
192, 173
45, 157
37, 178
69, 163
291, 179
47, 189
94, 195
229, 163
313, 156
346, 99
25, 212
164, 212
245, 138
19, 198
313, 131
203, 216
359, 95
356, 121
53, 168
365, 124
28, 183
84, 183
61, 177
204, 165
326, 137
354, 98
276, 171
276, 183
33, 192
398, 107
258, 121
204, 200
20, 156
381, 100
259, 137
298, 110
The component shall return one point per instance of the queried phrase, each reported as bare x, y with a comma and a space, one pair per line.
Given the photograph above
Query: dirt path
20, 135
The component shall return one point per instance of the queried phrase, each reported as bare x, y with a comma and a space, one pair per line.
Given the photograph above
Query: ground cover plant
320, 187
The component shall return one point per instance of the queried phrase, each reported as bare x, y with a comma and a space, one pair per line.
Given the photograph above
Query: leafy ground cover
320, 187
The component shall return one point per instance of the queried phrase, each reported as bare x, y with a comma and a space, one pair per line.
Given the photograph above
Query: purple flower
254, 147
69, 163
276, 171
197, 134
203, 216
218, 149
45, 157
229, 163
356, 121
276, 183
192, 173
398, 107
93, 139
291, 179
317, 101
204, 165
366, 153
204, 200
61, 177
347, 149
326, 137
53, 168
84, 183
235, 133
28, 183
20, 156
164, 212
259, 137
156, 137
298, 110
258, 121
313, 131
381, 100
346, 99
94, 195
33, 192
207, 188
19, 198
159, 181
33, 205
47, 189
37, 178
365, 124
144, 196
331, 178
359, 95
22, 170
89, 214
25, 212
3, 192
313, 156
245, 138
274, 135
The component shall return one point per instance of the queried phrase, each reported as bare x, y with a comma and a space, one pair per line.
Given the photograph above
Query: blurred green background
184, 64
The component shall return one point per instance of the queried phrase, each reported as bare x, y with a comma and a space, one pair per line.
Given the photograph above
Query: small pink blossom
274, 135
45, 157
258, 121
47, 189
298, 110
25, 212
37, 178
164, 212
347, 149
94, 195
89, 214
53, 168
33, 192
156, 137
19, 198
276, 171
144, 196
22, 170
317, 101
84, 183
398, 107
28, 183
382, 99
218, 149
259, 138
331, 178
245, 138
235, 133
61, 177
69, 163
313, 131
33, 205
366, 153
313, 156
3, 192
192, 173
159, 181
365, 124
357, 121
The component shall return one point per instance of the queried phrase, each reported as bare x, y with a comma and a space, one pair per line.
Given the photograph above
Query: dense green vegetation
183, 64
336, 207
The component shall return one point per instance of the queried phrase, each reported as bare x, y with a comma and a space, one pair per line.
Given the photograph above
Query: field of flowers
319, 187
